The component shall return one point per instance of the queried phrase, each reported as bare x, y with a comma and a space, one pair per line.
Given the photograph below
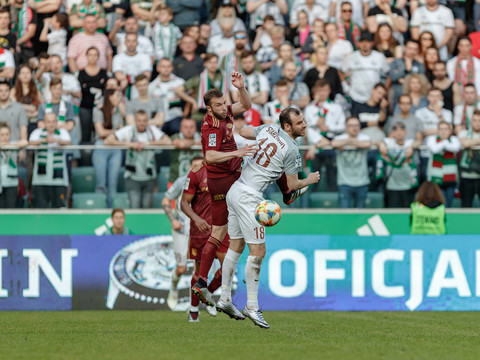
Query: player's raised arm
294, 183
244, 102
248, 133
215, 157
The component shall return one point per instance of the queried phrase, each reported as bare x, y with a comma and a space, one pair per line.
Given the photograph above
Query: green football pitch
293, 335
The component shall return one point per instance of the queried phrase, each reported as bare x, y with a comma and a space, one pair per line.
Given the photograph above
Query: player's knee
255, 260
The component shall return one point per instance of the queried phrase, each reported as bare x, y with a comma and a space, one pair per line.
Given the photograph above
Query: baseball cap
366, 35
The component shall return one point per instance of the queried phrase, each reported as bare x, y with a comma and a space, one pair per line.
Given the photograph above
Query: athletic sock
216, 282
175, 279
228, 270
282, 184
208, 255
194, 301
252, 275
194, 309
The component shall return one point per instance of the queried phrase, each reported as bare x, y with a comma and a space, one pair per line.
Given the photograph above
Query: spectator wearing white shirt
431, 117
464, 68
130, 25
365, 68
338, 50
436, 18
163, 87
255, 82
314, 11
324, 119
226, 9
272, 109
128, 65
463, 112
165, 34
258, 9
223, 43
140, 166
359, 14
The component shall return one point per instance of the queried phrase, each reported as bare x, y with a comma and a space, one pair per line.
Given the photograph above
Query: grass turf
297, 335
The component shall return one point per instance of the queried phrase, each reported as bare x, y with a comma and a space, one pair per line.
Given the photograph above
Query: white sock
228, 270
252, 275
175, 279
193, 308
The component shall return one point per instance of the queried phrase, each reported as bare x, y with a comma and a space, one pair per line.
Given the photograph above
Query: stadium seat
83, 179
121, 180
89, 201
374, 200
163, 176
120, 200
324, 200
157, 199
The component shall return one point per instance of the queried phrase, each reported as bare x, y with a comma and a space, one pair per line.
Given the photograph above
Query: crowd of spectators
391, 89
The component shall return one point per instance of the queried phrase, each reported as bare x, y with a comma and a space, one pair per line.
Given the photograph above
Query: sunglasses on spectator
240, 36
347, 10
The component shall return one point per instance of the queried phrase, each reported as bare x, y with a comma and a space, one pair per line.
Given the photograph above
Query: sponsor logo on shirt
212, 140
298, 161
187, 184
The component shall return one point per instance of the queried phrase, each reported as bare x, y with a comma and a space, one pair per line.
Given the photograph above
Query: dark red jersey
196, 185
218, 135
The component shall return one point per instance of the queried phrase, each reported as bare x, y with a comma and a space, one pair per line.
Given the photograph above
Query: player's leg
218, 189
194, 301
180, 248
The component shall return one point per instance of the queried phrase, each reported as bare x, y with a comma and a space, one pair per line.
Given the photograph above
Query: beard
218, 115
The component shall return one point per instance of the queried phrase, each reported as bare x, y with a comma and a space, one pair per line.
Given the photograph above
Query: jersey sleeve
191, 183
176, 189
293, 162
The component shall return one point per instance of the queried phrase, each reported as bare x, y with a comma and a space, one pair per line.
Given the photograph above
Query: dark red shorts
196, 245
218, 188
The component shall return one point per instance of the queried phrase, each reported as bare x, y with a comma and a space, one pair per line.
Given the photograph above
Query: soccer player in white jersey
277, 153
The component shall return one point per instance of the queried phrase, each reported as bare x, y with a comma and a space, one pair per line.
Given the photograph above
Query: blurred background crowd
389, 92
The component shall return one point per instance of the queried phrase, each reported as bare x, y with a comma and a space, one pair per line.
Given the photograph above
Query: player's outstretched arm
248, 133
176, 225
215, 157
244, 103
294, 183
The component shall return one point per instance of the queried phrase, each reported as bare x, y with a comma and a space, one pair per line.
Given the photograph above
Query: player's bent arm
294, 183
215, 157
248, 133
244, 103
185, 205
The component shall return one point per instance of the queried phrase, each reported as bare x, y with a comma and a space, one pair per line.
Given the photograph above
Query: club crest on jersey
212, 140
298, 161
229, 125
187, 184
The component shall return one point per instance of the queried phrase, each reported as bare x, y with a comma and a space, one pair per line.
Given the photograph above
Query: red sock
216, 282
282, 184
208, 255
193, 298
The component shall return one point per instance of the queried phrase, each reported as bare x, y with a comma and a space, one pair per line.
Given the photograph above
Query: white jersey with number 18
277, 153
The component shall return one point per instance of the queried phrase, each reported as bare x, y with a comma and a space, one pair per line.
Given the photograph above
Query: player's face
4, 135
298, 125
4, 92
218, 107
118, 220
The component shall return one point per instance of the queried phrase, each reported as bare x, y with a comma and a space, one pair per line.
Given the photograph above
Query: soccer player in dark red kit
196, 205
224, 161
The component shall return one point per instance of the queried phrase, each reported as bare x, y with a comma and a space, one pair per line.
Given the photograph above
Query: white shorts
180, 244
242, 201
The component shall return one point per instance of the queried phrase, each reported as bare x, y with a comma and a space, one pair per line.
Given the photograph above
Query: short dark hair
247, 53
55, 81
141, 112
321, 83
476, 112
286, 116
209, 56
4, 125
352, 118
120, 210
62, 18
93, 48
281, 82
429, 192
469, 85
140, 77
405, 96
412, 41
211, 94
380, 85
4, 10
5, 82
